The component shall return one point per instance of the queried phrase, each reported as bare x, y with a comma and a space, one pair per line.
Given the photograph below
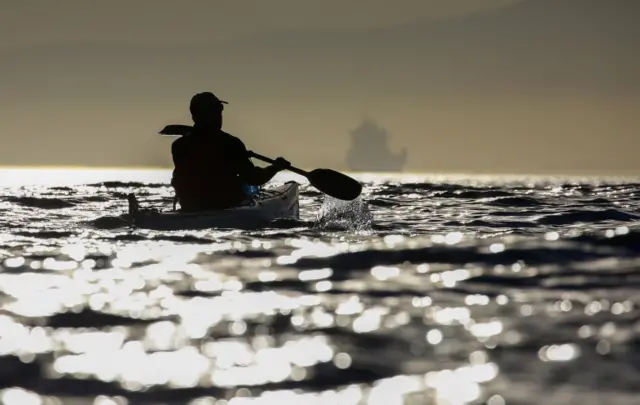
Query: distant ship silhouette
370, 150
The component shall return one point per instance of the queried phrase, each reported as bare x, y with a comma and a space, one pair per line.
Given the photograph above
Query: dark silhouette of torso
208, 170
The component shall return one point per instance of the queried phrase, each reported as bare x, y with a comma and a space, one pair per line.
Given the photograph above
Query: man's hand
281, 164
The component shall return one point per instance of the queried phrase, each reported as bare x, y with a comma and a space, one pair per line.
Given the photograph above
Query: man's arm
251, 174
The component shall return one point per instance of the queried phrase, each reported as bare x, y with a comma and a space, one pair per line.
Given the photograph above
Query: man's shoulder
234, 141
225, 141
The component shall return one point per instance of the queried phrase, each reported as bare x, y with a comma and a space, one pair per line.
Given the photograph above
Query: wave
513, 202
127, 184
473, 252
586, 216
42, 234
41, 202
108, 222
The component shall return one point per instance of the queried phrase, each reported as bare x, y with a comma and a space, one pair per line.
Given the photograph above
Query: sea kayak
269, 204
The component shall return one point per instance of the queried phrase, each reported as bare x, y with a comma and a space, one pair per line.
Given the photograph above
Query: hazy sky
529, 86
170, 21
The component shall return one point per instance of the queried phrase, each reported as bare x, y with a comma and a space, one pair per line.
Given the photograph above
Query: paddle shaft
272, 161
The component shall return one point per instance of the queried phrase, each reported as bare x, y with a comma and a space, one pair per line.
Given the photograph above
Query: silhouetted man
211, 166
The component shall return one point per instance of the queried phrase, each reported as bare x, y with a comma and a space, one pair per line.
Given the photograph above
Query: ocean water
429, 290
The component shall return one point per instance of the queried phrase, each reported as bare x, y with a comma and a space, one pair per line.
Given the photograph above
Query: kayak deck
268, 205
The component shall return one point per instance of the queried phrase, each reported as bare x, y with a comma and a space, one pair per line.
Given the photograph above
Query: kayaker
212, 167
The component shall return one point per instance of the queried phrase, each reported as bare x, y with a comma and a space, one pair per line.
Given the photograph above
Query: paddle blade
335, 184
176, 130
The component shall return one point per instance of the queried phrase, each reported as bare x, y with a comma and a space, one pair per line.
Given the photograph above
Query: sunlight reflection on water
461, 314
142, 282
56, 176
14, 177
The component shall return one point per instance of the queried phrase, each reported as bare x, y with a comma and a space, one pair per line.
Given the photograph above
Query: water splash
337, 214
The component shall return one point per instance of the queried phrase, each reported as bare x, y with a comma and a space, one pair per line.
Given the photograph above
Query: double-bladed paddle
330, 182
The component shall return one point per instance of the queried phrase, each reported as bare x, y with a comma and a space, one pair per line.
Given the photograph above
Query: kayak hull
281, 202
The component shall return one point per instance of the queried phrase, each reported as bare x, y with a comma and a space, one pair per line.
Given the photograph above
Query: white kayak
268, 205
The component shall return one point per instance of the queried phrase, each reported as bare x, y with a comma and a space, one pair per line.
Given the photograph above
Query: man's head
206, 109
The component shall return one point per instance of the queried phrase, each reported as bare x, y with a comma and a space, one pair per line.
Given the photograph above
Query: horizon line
474, 174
